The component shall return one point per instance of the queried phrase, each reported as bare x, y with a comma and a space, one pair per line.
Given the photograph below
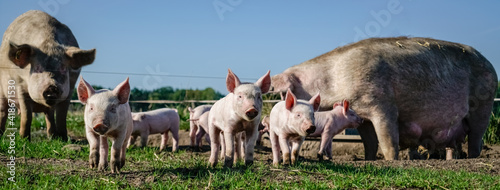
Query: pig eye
91, 107
113, 109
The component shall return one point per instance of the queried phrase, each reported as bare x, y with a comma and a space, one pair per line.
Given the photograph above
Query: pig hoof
122, 163
249, 162
320, 157
102, 167
228, 163
93, 164
115, 170
116, 166
213, 165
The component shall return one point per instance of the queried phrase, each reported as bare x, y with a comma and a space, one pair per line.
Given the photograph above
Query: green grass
492, 135
44, 164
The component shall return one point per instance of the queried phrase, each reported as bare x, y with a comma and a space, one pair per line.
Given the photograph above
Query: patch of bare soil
140, 172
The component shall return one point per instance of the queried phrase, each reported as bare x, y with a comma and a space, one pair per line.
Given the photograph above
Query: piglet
263, 128
330, 123
107, 114
157, 121
202, 124
290, 122
238, 112
194, 116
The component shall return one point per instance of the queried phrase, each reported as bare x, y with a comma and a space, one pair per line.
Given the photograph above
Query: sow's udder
439, 136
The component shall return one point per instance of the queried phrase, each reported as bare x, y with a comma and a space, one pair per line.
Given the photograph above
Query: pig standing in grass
238, 112
331, 123
290, 122
263, 128
153, 122
202, 128
107, 114
40, 62
194, 116
410, 91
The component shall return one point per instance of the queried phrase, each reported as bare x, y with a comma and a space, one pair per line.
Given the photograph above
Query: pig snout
51, 94
100, 128
252, 113
309, 129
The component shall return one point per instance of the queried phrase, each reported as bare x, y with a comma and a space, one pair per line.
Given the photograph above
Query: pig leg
215, 143
50, 121
61, 110
243, 145
122, 154
387, 131
478, 123
369, 138
229, 144
285, 149
26, 117
222, 146
323, 145
250, 139
259, 138
93, 140
207, 138
329, 149
103, 151
192, 133
164, 140
175, 139
116, 154
132, 140
238, 147
144, 138
199, 136
296, 150
275, 147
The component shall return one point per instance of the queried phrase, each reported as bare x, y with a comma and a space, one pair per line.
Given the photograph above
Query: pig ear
84, 91
346, 106
290, 100
20, 54
315, 101
264, 82
190, 109
79, 58
122, 91
232, 81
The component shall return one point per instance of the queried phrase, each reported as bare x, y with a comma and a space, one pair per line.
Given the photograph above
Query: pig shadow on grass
348, 169
185, 173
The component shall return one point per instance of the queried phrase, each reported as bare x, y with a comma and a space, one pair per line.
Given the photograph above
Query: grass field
43, 164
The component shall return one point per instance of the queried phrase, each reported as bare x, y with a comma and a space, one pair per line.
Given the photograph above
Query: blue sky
190, 44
